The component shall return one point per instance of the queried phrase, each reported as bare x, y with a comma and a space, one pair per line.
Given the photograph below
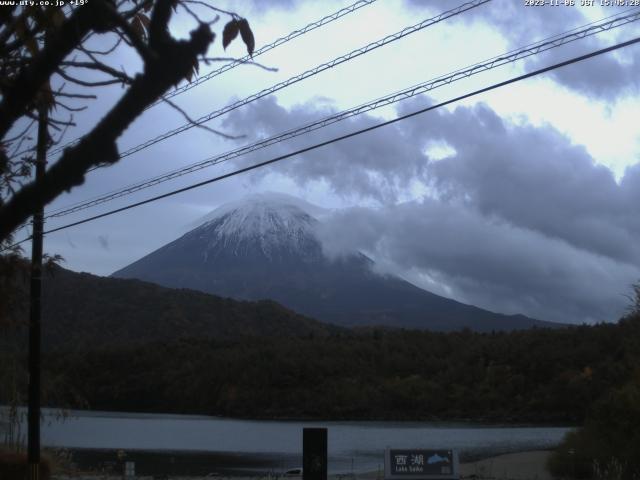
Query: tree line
532, 376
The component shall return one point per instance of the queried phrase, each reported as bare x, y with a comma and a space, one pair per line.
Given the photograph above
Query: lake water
356, 446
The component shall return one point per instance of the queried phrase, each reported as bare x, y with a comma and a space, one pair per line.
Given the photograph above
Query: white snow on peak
271, 200
273, 220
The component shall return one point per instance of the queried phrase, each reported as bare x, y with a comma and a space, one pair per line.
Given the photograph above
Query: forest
533, 376
587, 376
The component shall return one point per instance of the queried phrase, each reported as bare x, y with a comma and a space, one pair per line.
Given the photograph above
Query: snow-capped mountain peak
265, 247
266, 200
270, 222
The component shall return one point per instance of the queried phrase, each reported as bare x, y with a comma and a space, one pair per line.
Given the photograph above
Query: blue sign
420, 464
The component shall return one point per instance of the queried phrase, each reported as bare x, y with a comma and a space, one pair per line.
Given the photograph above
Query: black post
314, 454
33, 452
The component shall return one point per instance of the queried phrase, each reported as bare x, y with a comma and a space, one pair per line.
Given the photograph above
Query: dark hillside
85, 311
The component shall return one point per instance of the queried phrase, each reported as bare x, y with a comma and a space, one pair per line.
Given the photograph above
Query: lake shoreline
196, 446
524, 465
488, 421
174, 463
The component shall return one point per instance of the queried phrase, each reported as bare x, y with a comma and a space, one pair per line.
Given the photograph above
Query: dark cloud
517, 218
367, 165
531, 177
605, 77
535, 178
486, 262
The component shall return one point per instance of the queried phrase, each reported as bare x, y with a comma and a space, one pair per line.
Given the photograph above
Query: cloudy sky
521, 200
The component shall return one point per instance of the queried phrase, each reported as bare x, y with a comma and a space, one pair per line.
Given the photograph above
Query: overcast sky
522, 200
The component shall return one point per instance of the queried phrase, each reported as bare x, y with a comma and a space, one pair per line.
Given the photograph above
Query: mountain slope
80, 310
265, 247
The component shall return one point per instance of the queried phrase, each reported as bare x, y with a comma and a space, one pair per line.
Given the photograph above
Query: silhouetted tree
45, 50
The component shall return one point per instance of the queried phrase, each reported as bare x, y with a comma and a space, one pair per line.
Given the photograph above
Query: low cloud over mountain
538, 225
267, 246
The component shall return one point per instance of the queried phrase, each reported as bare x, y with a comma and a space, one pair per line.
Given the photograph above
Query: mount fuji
265, 247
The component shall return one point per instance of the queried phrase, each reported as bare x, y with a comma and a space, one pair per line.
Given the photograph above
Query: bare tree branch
62, 134
97, 65
17, 148
26, 84
211, 7
66, 123
99, 146
200, 125
159, 26
193, 15
75, 95
131, 38
59, 45
104, 52
135, 10
85, 83
70, 108
27, 150
231, 59
22, 132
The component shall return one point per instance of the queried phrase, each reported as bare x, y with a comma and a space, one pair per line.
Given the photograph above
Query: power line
512, 56
343, 137
307, 74
229, 66
296, 33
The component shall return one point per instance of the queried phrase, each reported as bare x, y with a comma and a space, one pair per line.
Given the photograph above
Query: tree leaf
189, 75
22, 32
145, 20
21, 29
57, 17
230, 32
247, 36
137, 27
194, 71
32, 46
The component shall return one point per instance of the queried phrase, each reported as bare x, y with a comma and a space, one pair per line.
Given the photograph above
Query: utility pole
33, 447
